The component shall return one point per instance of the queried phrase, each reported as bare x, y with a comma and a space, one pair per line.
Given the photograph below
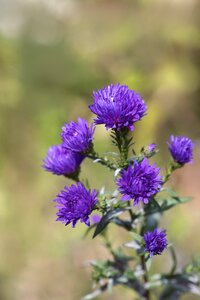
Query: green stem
108, 243
172, 167
74, 176
145, 277
94, 155
174, 258
131, 212
122, 144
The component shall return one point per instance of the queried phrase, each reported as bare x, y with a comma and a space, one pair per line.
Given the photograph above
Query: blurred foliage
53, 54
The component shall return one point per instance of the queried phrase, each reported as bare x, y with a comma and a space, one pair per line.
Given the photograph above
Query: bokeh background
53, 54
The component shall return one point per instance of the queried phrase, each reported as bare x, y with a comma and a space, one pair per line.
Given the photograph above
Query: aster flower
75, 203
181, 149
61, 161
155, 241
78, 136
117, 107
139, 182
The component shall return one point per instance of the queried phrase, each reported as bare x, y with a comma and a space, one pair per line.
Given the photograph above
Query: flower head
155, 241
181, 149
139, 182
117, 107
61, 161
75, 203
78, 136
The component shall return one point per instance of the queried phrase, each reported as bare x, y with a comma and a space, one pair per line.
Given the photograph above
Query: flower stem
131, 212
174, 258
172, 167
145, 277
74, 176
102, 161
108, 243
121, 138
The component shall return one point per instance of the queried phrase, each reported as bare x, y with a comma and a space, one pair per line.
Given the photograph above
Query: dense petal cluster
75, 203
181, 149
117, 107
61, 161
78, 136
155, 241
139, 182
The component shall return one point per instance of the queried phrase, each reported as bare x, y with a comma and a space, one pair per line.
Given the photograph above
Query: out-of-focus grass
52, 56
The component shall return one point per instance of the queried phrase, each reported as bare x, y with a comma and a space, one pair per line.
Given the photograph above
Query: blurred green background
53, 54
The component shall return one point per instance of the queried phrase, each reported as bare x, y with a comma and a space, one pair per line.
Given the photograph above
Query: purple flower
151, 147
96, 219
117, 107
155, 241
139, 182
181, 149
149, 150
78, 136
61, 161
75, 203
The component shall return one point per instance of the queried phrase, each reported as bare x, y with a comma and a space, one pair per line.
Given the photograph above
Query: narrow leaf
133, 245
92, 295
136, 236
106, 219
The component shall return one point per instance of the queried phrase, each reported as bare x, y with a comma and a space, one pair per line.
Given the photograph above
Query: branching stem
95, 156
172, 167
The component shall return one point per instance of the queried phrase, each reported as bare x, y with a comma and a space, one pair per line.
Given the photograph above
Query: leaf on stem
137, 237
106, 219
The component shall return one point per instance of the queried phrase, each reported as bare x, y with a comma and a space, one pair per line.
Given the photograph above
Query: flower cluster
181, 149
155, 241
117, 107
139, 182
75, 203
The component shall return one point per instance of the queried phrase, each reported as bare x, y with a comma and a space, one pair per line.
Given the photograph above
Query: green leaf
114, 154
133, 245
93, 295
152, 221
194, 266
136, 236
110, 285
171, 202
125, 224
148, 264
106, 219
169, 191
178, 285
155, 203
88, 230
153, 284
164, 205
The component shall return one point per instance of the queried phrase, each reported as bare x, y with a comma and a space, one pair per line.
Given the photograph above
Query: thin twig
145, 276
